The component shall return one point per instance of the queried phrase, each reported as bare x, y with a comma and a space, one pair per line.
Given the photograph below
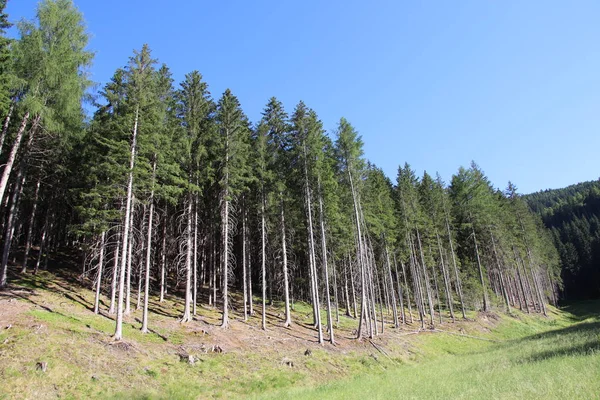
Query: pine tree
139, 76
234, 136
5, 67
52, 48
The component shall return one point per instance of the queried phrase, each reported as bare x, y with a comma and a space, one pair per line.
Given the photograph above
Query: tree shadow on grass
583, 310
574, 330
587, 348
582, 339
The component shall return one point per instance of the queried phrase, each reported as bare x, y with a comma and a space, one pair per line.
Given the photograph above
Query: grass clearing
491, 356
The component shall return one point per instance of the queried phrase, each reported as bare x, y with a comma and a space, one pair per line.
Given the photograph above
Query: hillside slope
573, 216
48, 319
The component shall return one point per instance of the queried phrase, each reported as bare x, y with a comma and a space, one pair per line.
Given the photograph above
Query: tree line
166, 190
573, 216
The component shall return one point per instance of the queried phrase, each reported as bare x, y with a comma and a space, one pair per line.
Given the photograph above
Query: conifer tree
139, 75
52, 48
234, 134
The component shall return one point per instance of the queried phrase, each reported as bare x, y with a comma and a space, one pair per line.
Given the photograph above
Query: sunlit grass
496, 357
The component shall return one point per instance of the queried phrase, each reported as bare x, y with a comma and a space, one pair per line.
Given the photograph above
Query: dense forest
167, 189
573, 216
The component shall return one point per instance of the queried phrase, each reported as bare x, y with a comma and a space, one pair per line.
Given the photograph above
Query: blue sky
513, 85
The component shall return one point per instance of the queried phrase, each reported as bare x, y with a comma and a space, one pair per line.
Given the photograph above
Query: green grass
491, 357
533, 358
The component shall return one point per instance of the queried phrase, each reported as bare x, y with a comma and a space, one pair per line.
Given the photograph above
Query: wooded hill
169, 189
573, 216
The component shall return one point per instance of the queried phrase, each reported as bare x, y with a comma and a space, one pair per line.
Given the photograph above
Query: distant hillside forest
573, 216
167, 189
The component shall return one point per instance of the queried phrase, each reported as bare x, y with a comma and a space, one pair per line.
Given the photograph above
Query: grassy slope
532, 358
50, 318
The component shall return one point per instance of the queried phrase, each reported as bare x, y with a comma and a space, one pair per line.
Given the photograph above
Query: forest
573, 216
166, 188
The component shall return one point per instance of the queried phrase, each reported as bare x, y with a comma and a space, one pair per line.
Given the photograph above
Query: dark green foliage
573, 216
5, 68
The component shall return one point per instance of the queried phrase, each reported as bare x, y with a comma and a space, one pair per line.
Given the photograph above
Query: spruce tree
234, 135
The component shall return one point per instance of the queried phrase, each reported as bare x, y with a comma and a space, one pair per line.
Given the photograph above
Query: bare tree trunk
400, 291
325, 266
250, 297
311, 251
520, 278
407, 291
188, 264
100, 268
113, 291
354, 306
140, 267
346, 295
148, 253
503, 287
42, 243
13, 153
195, 296
335, 294
392, 292
163, 260
446, 279
263, 258
426, 279
6, 124
128, 205
286, 285
129, 261
10, 225
360, 258
30, 226
244, 272
481, 278
456, 275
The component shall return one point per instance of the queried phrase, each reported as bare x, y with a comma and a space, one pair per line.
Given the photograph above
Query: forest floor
48, 318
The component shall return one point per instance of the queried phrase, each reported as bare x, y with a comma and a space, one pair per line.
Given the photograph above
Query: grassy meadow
48, 318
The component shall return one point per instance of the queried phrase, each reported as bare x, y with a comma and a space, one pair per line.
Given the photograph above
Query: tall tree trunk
148, 252
100, 268
346, 295
404, 277
115, 275
250, 297
263, 258
335, 294
13, 153
42, 243
195, 285
481, 278
6, 124
128, 205
10, 225
446, 278
188, 263
311, 253
354, 306
426, 279
286, 284
503, 286
360, 256
29, 238
325, 266
163, 260
400, 291
244, 267
129, 262
392, 292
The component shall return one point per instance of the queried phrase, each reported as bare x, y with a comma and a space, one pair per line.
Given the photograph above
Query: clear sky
513, 85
